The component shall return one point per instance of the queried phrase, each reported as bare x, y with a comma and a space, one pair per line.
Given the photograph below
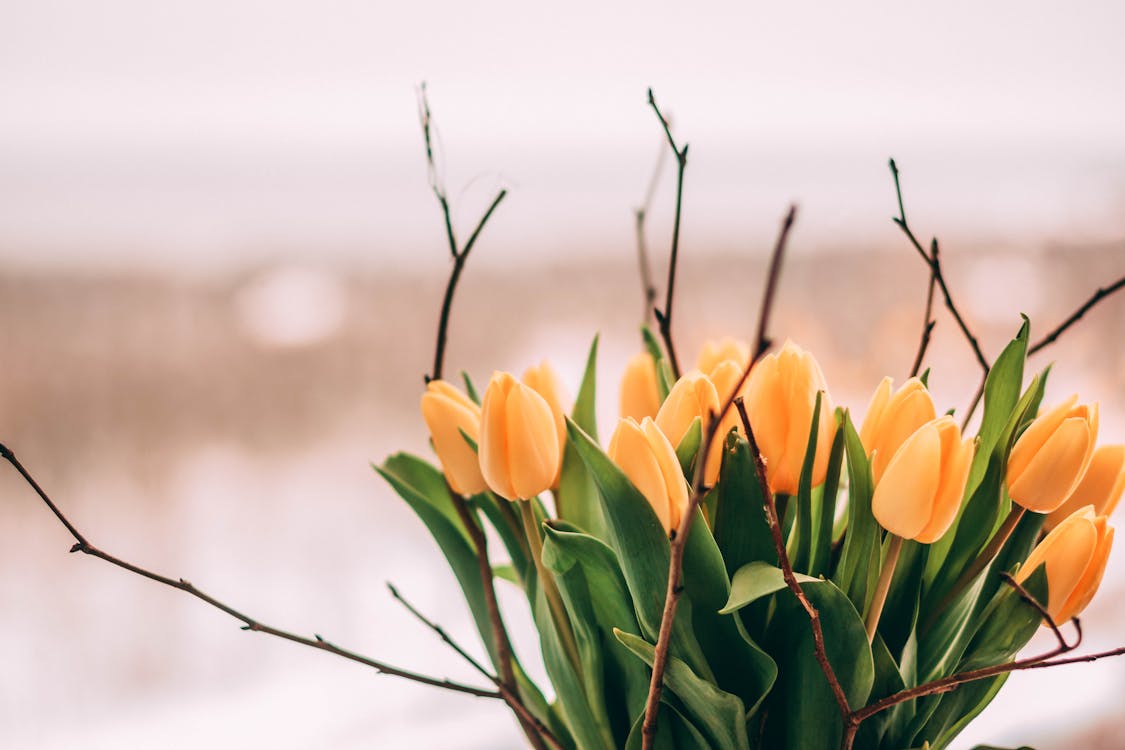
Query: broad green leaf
888, 681
900, 614
719, 716
636, 536
499, 513
595, 592
957, 709
577, 496
673, 732
859, 561
741, 529
689, 446
801, 711
756, 580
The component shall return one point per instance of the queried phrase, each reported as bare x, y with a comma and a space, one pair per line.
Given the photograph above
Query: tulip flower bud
1101, 487
646, 457
1051, 457
892, 418
780, 398
544, 381
715, 352
921, 488
640, 396
1075, 554
447, 412
519, 440
692, 397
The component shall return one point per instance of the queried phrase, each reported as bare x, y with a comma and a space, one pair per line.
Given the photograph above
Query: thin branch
510, 697
640, 214
500, 641
664, 317
787, 568
460, 255
1044, 614
928, 321
248, 623
1074, 317
933, 260
679, 540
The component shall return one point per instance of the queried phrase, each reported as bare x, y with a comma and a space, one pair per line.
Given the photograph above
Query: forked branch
460, 254
664, 316
81, 544
1076, 316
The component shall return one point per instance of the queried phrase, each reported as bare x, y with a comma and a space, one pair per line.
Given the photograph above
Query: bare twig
664, 317
510, 695
640, 214
1074, 317
787, 568
933, 260
675, 564
1044, 614
460, 255
248, 623
928, 321
503, 646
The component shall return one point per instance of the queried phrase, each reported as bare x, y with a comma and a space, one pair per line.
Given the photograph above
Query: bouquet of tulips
923, 556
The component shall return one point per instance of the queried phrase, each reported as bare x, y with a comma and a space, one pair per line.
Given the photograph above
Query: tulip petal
957, 459
1101, 486
494, 436
873, 418
447, 416
631, 451
639, 395
1055, 469
1091, 578
1033, 438
533, 443
675, 484
903, 500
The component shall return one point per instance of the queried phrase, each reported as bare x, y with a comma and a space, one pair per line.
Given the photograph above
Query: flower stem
883, 586
550, 589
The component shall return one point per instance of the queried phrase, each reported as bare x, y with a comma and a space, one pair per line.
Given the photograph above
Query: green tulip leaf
689, 446
664, 376
741, 529
756, 580
719, 716
803, 543
858, 567
470, 389
673, 732
824, 507
578, 496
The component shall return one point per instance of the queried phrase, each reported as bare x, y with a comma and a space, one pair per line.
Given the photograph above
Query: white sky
140, 132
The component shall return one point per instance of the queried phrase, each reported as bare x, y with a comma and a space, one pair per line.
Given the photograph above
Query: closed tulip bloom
1052, 455
543, 380
891, 418
1075, 553
924, 481
715, 352
1101, 487
640, 396
645, 456
780, 398
447, 412
692, 397
519, 440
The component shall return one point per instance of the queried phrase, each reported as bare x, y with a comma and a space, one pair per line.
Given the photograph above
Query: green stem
550, 589
983, 560
883, 586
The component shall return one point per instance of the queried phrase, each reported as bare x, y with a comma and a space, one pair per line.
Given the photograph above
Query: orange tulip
645, 456
780, 398
921, 488
1052, 455
893, 417
692, 397
447, 412
640, 396
544, 381
1101, 487
519, 441
1075, 554
715, 352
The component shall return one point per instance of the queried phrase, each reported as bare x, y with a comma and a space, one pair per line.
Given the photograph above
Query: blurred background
221, 268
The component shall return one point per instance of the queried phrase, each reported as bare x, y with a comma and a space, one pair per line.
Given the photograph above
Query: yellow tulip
640, 396
715, 352
692, 397
645, 456
447, 411
544, 381
780, 397
519, 441
1101, 487
892, 418
1075, 554
1052, 455
921, 488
